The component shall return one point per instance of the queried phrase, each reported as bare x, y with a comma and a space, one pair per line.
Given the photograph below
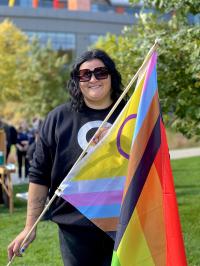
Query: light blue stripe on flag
147, 96
104, 211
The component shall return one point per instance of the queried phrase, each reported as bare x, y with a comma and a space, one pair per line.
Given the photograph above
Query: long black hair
73, 83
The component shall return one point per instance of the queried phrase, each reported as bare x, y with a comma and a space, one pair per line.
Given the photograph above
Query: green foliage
183, 6
14, 49
31, 77
45, 78
178, 65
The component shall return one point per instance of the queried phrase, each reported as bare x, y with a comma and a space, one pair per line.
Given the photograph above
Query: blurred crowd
23, 137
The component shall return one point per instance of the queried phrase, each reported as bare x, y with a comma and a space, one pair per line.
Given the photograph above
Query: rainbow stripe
149, 230
126, 183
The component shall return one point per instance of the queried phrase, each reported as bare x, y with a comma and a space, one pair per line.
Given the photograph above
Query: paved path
184, 153
17, 181
174, 154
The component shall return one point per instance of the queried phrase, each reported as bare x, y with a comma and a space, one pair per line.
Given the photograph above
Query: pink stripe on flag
152, 63
95, 198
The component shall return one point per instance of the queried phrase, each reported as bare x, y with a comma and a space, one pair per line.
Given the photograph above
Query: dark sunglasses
99, 73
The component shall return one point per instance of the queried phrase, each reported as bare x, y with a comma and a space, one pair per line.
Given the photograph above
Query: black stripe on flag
138, 181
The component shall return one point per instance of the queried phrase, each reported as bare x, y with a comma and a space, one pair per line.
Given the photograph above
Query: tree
178, 61
14, 49
183, 6
46, 77
32, 78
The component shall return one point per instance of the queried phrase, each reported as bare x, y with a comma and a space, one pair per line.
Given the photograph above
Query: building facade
72, 28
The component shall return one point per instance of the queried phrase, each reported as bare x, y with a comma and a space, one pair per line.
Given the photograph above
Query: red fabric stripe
175, 246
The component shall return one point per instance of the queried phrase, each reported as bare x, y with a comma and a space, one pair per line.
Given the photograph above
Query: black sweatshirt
62, 138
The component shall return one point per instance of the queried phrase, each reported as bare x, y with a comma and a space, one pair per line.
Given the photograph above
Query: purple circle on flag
121, 151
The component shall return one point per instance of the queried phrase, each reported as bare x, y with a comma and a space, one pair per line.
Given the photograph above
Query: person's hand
25, 145
15, 246
19, 147
24, 142
100, 135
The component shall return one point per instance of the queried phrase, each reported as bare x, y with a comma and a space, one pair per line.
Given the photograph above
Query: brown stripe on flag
141, 140
106, 224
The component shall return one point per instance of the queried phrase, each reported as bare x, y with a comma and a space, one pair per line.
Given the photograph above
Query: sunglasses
85, 75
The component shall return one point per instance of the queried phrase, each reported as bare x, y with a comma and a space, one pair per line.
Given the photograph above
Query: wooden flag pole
153, 48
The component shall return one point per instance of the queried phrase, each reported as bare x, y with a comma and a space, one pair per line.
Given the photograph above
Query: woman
94, 86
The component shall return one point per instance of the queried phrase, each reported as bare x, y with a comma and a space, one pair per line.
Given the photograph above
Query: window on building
59, 41
25, 3
62, 42
93, 38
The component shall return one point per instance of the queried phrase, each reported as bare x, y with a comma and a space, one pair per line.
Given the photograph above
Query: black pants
82, 246
22, 160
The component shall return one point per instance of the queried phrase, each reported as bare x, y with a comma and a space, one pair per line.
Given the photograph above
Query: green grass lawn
44, 250
187, 182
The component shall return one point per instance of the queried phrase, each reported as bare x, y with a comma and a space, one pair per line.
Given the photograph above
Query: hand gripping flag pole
57, 192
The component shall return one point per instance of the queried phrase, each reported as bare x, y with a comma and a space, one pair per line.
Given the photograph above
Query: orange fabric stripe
150, 210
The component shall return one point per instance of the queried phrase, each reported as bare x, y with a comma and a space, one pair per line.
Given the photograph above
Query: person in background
32, 143
94, 86
11, 139
22, 146
11, 136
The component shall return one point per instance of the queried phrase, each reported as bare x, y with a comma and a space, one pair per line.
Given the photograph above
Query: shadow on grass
186, 170
19, 204
20, 188
188, 191
188, 187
